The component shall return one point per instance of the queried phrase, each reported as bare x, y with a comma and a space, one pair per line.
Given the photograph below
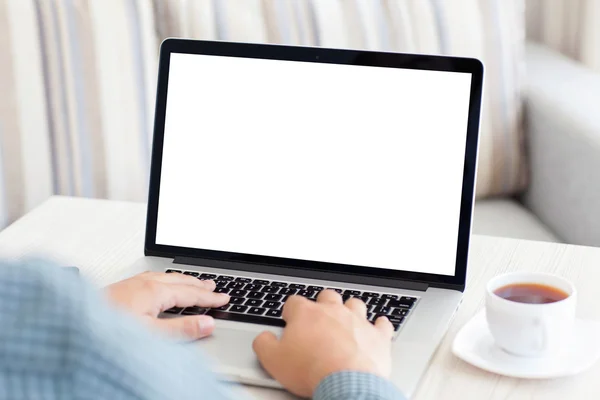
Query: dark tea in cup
531, 293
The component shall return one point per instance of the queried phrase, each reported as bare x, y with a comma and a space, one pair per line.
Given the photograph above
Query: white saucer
475, 345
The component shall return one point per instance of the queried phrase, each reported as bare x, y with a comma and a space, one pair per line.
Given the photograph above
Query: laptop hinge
303, 273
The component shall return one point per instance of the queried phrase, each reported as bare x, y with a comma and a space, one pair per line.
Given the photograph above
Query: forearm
60, 339
351, 385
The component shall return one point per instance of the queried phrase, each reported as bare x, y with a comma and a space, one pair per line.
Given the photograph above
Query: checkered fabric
60, 340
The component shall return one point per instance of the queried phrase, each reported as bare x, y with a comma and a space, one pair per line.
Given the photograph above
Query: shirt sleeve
60, 340
352, 385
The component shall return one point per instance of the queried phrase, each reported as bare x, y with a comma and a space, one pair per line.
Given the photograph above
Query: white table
103, 238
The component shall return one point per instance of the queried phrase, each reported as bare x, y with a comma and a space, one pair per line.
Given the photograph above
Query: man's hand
150, 293
322, 338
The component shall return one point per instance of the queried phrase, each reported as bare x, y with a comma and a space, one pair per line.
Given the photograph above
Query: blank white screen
337, 163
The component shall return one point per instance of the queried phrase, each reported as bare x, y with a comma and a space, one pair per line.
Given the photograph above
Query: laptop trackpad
231, 350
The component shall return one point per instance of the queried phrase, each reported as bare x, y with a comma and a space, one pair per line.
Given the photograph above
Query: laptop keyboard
261, 301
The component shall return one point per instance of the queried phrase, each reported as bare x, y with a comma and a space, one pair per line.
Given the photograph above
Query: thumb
266, 347
191, 327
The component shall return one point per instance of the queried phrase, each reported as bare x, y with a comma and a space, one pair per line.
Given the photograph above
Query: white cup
526, 329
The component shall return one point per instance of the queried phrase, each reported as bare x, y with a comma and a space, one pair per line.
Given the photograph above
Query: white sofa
562, 115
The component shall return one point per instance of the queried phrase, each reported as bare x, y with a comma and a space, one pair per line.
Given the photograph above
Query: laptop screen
313, 161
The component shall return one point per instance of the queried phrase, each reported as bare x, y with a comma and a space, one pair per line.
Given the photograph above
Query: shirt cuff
350, 385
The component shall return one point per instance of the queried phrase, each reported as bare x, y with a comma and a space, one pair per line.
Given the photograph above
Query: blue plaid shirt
60, 340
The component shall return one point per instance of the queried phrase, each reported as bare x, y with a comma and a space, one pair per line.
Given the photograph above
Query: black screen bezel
335, 56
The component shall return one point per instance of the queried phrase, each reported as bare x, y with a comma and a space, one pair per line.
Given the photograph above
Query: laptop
282, 170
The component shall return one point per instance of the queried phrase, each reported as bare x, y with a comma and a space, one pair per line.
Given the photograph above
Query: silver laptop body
229, 136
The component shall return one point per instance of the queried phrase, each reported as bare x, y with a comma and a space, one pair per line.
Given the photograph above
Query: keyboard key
174, 310
279, 284
288, 291
191, 273
255, 295
223, 308
269, 289
335, 289
225, 278
235, 285
306, 293
236, 300
220, 283
389, 296
400, 304
260, 282
252, 287
297, 286
371, 317
272, 304
370, 294
345, 297
400, 312
208, 276
256, 311
244, 280
315, 288
396, 321
253, 303
238, 308
377, 301
195, 311
253, 319
408, 299
273, 313
222, 290
352, 292
170, 271
273, 297
238, 293
381, 310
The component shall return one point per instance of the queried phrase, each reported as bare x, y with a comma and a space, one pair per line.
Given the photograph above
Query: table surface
103, 238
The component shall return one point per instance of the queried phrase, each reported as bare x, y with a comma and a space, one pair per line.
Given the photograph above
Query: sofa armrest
562, 114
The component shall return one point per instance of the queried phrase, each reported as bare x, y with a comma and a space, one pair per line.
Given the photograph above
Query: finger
329, 296
190, 327
385, 327
180, 279
187, 296
357, 306
266, 347
291, 306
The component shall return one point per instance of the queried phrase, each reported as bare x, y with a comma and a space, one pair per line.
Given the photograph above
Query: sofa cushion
509, 218
78, 78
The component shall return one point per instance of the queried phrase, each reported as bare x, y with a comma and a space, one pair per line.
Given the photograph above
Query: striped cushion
78, 78
569, 26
